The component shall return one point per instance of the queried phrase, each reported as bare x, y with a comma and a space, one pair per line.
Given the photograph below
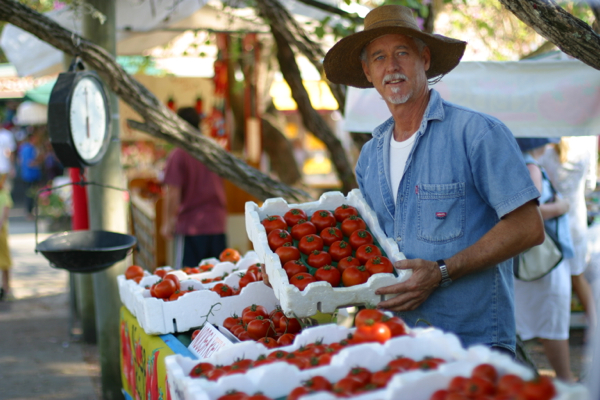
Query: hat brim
343, 66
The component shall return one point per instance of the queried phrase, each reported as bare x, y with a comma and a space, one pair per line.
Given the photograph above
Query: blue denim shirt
464, 173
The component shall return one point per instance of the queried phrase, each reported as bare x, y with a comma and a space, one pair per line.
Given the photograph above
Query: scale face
79, 119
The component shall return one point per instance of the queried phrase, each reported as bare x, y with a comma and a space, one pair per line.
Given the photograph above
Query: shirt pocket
441, 212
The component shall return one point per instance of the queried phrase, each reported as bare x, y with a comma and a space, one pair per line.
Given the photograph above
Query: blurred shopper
571, 166
8, 146
543, 306
5, 258
31, 159
194, 212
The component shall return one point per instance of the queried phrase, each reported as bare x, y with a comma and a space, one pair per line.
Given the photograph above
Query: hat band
393, 23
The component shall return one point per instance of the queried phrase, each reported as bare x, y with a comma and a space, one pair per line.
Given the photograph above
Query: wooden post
108, 212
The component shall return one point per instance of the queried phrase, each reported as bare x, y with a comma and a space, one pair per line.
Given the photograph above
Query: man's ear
366, 70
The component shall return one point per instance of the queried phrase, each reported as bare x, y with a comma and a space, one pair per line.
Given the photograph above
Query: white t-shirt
399, 152
7, 146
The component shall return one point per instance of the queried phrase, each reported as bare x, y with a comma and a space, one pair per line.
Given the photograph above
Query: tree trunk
159, 121
310, 118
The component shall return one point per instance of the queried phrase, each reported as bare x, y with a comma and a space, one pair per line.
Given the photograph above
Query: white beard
396, 98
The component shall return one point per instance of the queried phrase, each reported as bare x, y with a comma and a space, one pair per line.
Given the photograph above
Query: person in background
31, 159
543, 306
448, 184
5, 258
8, 146
571, 166
194, 211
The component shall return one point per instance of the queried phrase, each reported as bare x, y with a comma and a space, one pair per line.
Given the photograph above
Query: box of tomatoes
325, 254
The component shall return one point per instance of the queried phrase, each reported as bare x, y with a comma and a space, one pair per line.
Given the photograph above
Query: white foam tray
320, 296
278, 379
158, 317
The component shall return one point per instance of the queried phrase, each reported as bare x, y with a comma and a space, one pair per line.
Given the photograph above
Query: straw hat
342, 62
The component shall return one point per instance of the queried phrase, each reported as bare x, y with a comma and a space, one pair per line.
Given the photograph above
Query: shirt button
398, 239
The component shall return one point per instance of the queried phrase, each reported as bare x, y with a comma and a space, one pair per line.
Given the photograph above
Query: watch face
88, 118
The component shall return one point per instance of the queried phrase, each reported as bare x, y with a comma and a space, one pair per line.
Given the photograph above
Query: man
194, 211
7, 153
30, 161
447, 183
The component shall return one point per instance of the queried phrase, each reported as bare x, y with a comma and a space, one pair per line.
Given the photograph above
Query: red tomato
276, 315
302, 280
360, 237
231, 255
294, 267
193, 270
290, 325
160, 272
323, 359
379, 265
540, 388
485, 371
310, 243
294, 215
237, 329
346, 386
430, 363
256, 269
278, 237
252, 312
396, 325
458, 384
287, 252
230, 322
361, 374
234, 395
222, 289
216, 373
402, 364
298, 392
344, 211
195, 333
246, 279
330, 274
318, 259
201, 369
376, 332
323, 219
303, 228
260, 327
175, 280
278, 355
347, 262
243, 363
177, 294
366, 251
339, 250
477, 387
382, 377
439, 395
317, 383
259, 396
268, 342
286, 339
510, 384
368, 316
351, 224
244, 336
331, 235
355, 276
164, 289
274, 222
134, 272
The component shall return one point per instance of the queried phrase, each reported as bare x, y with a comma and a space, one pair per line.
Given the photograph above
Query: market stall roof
140, 26
545, 98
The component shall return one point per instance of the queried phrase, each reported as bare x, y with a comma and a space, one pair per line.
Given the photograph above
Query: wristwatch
446, 281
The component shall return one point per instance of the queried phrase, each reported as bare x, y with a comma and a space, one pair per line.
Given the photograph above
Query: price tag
208, 342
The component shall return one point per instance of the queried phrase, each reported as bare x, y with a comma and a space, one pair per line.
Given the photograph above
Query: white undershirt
399, 152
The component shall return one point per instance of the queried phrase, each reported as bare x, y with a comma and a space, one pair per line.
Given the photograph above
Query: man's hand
426, 276
166, 230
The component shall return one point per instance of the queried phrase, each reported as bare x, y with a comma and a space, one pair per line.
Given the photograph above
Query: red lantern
171, 104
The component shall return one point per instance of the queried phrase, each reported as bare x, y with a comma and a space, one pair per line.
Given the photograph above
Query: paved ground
40, 358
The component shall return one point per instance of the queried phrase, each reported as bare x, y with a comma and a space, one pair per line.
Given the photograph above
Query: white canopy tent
548, 98
141, 25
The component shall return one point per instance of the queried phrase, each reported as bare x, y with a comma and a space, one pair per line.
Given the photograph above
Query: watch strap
444, 271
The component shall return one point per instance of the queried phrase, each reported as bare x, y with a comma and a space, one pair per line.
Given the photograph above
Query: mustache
393, 77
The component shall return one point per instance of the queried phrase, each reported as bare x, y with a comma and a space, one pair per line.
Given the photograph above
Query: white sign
533, 98
208, 342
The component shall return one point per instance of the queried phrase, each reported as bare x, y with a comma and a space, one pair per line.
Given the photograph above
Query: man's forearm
518, 231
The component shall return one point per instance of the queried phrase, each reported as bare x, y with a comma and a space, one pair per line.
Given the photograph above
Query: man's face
396, 67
